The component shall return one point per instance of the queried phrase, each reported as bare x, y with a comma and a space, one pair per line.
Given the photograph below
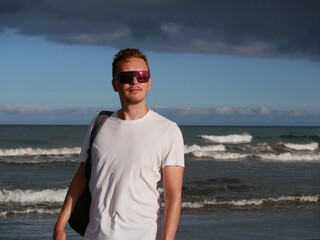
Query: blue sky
49, 76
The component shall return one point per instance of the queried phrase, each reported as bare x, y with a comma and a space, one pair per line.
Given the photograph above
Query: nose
134, 80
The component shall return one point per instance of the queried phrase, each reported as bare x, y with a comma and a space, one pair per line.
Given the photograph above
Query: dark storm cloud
282, 28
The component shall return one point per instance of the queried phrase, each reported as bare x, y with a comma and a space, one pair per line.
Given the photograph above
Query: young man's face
134, 92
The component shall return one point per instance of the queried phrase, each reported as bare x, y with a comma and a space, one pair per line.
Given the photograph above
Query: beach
239, 182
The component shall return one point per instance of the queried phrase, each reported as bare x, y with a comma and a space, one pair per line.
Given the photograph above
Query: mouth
135, 89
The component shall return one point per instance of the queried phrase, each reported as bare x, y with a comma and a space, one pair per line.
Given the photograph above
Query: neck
132, 112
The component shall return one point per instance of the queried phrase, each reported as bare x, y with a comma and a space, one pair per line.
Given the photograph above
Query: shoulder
161, 120
163, 123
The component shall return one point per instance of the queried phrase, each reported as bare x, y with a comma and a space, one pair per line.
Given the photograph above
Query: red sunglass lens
127, 77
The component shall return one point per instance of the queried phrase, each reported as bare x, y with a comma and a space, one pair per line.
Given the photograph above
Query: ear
114, 85
149, 84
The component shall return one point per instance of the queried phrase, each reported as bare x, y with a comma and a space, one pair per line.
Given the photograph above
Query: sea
240, 182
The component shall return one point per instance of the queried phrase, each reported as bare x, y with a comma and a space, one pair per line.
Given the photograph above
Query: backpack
79, 218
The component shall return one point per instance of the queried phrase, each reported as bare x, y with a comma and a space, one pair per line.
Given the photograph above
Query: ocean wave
30, 211
221, 156
37, 197
37, 160
309, 146
39, 151
283, 157
290, 157
287, 200
234, 138
242, 203
32, 196
261, 151
260, 147
208, 148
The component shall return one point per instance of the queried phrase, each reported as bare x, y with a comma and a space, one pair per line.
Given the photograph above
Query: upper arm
86, 144
80, 178
81, 170
173, 151
78, 182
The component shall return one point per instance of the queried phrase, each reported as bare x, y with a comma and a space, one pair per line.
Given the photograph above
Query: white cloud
264, 110
225, 111
246, 111
222, 115
297, 113
32, 110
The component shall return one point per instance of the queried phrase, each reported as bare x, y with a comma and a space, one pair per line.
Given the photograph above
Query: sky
228, 62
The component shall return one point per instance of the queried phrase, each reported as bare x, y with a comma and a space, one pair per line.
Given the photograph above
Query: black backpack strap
100, 120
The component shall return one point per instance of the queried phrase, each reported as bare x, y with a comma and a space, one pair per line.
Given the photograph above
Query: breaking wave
31, 211
283, 200
37, 197
222, 156
36, 160
39, 151
310, 146
284, 157
32, 196
260, 147
234, 138
288, 157
194, 147
205, 204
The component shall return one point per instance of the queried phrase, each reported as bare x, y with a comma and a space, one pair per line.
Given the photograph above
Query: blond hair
125, 54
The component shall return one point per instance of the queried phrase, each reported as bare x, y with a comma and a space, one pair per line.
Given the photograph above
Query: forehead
132, 64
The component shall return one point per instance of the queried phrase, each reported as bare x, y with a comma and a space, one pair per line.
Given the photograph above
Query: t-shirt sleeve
173, 153
85, 145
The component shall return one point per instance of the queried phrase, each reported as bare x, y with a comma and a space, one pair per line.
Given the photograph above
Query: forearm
171, 216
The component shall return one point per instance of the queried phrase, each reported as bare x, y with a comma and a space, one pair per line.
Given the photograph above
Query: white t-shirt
127, 161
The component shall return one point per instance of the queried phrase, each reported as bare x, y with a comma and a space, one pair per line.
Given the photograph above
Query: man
134, 150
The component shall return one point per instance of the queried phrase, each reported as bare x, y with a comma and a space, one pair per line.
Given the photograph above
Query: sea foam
208, 148
31, 211
221, 156
282, 157
234, 138
290, 157
32, 196
287, 200
39, 151
310, 146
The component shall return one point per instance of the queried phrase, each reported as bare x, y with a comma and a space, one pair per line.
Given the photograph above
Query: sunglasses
127, 77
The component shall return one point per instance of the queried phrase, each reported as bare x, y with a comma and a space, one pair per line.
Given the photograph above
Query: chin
134, 100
